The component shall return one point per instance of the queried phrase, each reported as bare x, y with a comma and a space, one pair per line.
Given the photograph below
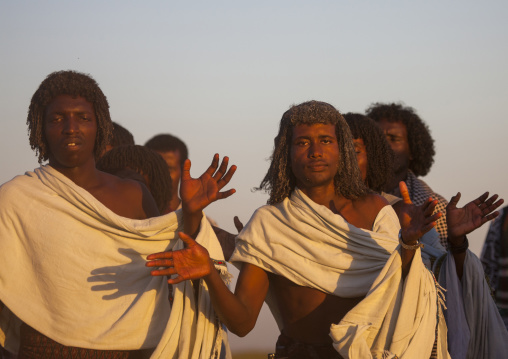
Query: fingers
433, 218
169, 263
489, 217
489, 206
176, 280
186, 169
480, 200
404, 192
454, 200
226, 194
160, 255
223, 167
238, 224
225, 179
189, 242
429, 206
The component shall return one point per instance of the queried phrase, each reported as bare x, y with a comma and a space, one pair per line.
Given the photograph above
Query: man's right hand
415, 221
192, 262
197, 193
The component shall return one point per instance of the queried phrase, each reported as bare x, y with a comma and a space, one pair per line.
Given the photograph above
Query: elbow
241, 330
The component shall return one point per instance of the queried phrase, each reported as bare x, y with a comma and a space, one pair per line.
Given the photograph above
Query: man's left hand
473, 215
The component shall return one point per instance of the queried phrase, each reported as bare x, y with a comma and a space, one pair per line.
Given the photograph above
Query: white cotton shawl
75, 271
311, 246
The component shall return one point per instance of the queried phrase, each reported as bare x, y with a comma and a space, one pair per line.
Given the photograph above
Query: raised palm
473, 215
197, 193
415, 220
191, 262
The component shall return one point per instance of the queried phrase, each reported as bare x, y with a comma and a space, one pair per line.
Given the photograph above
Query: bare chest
307, 313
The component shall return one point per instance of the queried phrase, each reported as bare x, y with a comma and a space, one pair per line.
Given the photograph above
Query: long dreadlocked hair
420, 141
379, 152
67, 83
280, 181
145, 162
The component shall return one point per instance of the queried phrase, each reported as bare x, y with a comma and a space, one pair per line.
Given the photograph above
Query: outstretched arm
197, 193
238, 311
462, 221
415, 221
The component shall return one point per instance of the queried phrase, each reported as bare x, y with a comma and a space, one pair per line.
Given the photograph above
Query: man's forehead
392, 126
66, 102
315, 129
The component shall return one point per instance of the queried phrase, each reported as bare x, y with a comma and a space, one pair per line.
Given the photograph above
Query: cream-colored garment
475, 328
311, 246
75, 271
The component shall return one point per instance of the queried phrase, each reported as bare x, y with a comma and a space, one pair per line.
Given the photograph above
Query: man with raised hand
413, 146
474, 324
73, 243
325, 251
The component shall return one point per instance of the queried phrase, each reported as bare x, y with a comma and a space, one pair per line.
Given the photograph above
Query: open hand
192, 262
415, 221
197, 193
473, 215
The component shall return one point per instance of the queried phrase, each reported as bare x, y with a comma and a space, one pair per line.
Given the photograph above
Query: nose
315, 150
71, 125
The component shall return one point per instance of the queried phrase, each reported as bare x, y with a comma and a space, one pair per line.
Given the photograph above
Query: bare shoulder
126, 197
367, 209
372, 200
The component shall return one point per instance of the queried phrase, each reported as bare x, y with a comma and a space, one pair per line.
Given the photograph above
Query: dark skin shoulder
307, 313
360, 212
125, 197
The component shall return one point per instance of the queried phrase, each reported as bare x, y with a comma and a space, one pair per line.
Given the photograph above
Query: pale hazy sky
220, 74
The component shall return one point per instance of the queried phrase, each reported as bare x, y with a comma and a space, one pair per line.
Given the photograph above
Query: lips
72, 143
317, 166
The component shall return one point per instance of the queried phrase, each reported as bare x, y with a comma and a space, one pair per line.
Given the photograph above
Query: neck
85, 176
323, 195
393, 185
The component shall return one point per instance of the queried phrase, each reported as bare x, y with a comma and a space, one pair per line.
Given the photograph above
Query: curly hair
67, 83
379, 152
145, 162
420, 141
168, 143
280, 181
121, 136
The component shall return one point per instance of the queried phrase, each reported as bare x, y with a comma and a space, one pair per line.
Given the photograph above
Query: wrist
458, 245
413, 245
211, 269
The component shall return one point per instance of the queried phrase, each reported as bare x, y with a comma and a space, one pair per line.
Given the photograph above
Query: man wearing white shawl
474, 324
74, 242
325, 251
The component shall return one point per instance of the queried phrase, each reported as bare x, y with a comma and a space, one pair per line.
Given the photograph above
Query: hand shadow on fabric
126, 279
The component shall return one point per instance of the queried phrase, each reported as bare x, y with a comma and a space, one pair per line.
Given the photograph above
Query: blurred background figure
174, 151
121, 136
495, 261
413, 147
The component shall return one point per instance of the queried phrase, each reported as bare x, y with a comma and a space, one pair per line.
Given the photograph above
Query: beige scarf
311, 246
75, 271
